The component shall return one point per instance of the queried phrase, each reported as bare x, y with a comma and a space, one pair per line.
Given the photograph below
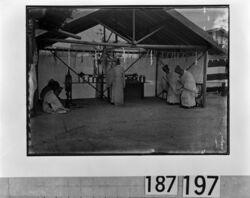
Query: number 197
198, 186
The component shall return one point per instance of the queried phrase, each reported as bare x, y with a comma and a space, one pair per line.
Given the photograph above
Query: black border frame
195, 6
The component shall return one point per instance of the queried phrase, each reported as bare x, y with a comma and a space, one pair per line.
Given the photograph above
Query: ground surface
139, 127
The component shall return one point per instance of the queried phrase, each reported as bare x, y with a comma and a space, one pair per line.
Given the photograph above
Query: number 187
161, 185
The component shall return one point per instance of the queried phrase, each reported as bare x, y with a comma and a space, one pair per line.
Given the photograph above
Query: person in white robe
173, 96
116, 81
189, 89
51, 102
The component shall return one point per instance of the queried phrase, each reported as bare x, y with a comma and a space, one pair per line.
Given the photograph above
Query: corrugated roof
174, 28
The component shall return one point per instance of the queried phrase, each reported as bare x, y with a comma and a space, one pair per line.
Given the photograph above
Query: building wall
106, 187
217, 73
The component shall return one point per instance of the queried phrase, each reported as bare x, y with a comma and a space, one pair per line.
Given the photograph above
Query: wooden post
204, 87
156, 74
133, 28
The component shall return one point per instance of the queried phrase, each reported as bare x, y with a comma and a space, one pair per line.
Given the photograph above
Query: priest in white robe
188, 90
116, 81
173, 96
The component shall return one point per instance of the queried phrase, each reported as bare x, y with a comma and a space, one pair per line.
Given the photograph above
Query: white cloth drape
32, 84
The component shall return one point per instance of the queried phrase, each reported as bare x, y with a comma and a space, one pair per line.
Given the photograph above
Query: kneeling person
173, 96
51, 102
189, 90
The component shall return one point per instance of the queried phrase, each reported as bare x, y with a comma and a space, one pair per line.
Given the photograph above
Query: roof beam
149, 46
115, 32
152, 46
150, 34
90, 43
60, 31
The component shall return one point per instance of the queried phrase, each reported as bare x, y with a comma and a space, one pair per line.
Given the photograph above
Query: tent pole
204, 87
133, 28
156, 74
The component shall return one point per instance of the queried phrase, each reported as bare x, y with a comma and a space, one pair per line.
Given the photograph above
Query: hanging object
96, 63
69, 57
123, 55
151, 57
68, 89
204, 10
196, 60
54, 55
95, 57
82, 55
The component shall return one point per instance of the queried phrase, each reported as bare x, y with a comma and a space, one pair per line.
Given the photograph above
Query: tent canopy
138, 26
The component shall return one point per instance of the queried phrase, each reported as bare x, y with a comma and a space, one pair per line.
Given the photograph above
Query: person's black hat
165, 68
55, 85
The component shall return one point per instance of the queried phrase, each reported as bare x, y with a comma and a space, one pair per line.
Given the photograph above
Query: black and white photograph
124, 99
126, 187
127, 80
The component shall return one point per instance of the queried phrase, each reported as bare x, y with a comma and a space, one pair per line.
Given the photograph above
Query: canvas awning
155, 28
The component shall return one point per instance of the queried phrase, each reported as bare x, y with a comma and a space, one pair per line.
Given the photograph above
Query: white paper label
201, 186
161, 185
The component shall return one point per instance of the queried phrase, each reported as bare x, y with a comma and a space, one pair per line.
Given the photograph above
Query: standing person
116, 80
189, 90
173, 96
